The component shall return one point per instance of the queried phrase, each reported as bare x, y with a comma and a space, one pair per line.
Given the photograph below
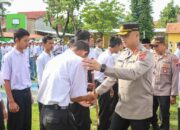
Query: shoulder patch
142, 55
176, 61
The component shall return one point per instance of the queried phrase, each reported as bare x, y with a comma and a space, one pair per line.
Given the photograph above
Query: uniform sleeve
40, 67
140, 67
6, 68
106, 85
79, 81
175, 75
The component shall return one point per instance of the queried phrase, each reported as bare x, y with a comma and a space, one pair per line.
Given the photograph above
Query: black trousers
119, 123
1, 119
40, 105
163, 102
21, 120
106, 107
82, 116
57, 119
178, 118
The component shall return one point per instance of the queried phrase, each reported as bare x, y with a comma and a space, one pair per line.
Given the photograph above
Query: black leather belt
56, 107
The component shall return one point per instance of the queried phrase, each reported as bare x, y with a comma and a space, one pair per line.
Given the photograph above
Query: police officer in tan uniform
165, 83
133, 70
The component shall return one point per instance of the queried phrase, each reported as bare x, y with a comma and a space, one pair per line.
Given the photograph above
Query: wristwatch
103, 67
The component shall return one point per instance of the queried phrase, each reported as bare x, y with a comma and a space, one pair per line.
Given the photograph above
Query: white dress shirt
105, 58
91, 53
98, 51
64, 77
177, 53
15, 67
41, 61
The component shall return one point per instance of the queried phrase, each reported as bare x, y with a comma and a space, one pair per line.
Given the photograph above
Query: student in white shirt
81, 112
41, 62
16, 75
98, 49
64, 80
107, 102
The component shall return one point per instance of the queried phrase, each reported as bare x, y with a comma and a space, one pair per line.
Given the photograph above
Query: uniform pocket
165, 69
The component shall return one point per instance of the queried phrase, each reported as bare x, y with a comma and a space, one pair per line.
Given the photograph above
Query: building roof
173, 28
32, 36
34, 14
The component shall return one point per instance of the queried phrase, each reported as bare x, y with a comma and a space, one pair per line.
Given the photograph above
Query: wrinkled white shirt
15, 67
64, 77
105, 58
41, 61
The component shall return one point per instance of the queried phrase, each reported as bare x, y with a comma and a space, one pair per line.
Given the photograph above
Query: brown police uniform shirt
134, 73
165, 75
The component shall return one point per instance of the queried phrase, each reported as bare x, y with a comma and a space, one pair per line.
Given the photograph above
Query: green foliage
169, 14
103, 17
141, 14
3, 4
60, 14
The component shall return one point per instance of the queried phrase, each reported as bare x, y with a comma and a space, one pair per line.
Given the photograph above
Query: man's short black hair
46, 38
19, 34
115, 40
83, 35
81, 45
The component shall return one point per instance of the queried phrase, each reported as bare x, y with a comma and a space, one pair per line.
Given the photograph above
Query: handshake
90, 99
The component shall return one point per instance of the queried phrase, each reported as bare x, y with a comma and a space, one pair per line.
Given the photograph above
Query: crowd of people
127, 82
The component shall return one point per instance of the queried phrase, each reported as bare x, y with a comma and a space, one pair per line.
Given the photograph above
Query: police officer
165, 83
41, 61
107, 102
147, 44
64, 80
134, 73
15, 71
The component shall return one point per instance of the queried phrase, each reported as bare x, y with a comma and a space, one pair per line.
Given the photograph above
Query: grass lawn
35, 118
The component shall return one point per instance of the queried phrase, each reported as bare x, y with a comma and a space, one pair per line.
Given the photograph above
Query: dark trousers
1, 119
119, 123
55, 118
40, 105
21, 120
163, 102
106, 107
82, 116
178, 118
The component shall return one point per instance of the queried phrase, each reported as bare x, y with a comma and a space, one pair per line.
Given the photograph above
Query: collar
45, 53
18, 52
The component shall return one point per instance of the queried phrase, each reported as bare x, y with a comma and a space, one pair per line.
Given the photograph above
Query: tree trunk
1, 31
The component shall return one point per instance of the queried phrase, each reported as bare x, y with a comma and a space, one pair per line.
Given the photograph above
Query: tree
60, 13
3, 3
103, 17
169, 14
141, 13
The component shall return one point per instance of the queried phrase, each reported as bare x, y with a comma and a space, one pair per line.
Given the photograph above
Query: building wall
31, 25
178, 18
41, 25
174, 38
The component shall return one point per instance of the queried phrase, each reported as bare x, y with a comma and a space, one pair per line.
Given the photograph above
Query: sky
38, 5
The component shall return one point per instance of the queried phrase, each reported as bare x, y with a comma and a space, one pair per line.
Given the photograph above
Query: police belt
56, 107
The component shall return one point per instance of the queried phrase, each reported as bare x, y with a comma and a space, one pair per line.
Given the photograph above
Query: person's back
62, 66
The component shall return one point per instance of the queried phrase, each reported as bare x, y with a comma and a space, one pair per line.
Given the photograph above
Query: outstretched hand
91, 64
